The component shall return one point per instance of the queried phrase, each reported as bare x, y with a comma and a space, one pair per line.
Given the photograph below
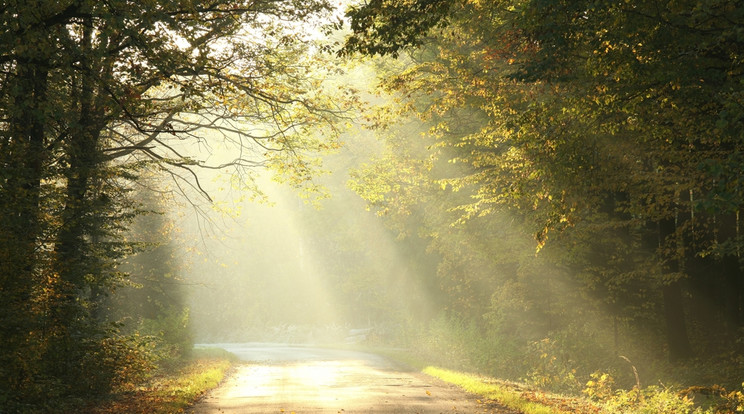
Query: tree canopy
610, 127
93, 92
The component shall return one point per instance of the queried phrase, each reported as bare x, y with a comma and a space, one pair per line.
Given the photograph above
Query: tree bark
72, 248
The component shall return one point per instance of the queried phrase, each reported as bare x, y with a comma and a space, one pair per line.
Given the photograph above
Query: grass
512, 395
175, 389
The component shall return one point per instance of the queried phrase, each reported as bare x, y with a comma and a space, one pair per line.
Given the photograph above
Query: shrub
117, 362
550, 370
650, 400
172, 330
720, 399
600, 387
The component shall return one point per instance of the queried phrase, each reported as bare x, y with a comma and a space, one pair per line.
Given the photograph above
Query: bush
448, 342
732, 401
117, 362
650, 400
549, 370
719, 398
172, 330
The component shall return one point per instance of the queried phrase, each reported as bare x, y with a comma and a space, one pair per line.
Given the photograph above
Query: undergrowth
567, 365
601, 397
513, 395
173, 389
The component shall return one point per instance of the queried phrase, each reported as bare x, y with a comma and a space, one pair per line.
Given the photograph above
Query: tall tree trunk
676, 326
72, 246
678, 341
20, 225
733, 278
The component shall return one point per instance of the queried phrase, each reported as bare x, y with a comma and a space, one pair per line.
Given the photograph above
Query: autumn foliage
93, 96
579, 166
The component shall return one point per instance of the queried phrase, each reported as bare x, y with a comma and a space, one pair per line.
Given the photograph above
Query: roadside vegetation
111, 112
172, 388
570, 171
600, 397
512, 395
556, 191
539, 393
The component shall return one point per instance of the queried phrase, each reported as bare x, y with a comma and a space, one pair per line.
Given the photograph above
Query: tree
90, 85
576, 92
152, 300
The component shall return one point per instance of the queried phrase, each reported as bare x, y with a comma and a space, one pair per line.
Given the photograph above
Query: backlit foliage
609, 133
93, 93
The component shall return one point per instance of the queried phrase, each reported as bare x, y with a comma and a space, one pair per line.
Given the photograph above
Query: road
280, 378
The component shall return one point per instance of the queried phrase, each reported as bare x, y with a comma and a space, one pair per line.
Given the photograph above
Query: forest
542, 191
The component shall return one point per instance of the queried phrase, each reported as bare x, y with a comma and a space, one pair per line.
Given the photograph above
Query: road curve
280, 378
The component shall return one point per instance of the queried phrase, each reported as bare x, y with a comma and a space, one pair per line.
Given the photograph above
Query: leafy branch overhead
92, 93
385, 27
590, 122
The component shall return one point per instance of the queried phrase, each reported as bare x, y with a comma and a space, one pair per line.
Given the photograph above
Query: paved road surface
279, 378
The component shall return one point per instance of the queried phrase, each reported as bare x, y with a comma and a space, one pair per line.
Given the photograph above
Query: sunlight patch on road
322, 374
255, 382
321, 382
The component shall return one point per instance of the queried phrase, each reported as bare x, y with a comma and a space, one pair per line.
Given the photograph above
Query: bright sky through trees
540, 190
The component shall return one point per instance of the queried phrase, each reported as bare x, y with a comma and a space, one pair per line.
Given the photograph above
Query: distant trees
90, 92
152, 297
610, 132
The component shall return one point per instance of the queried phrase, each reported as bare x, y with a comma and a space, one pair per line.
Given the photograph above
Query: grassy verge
513, 395
175, 389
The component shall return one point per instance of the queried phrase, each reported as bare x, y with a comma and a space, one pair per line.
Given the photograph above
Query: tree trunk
20, 223
72, 248
676, 326
678, 341
733, 286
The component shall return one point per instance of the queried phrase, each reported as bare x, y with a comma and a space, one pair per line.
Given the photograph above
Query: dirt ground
302, 379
